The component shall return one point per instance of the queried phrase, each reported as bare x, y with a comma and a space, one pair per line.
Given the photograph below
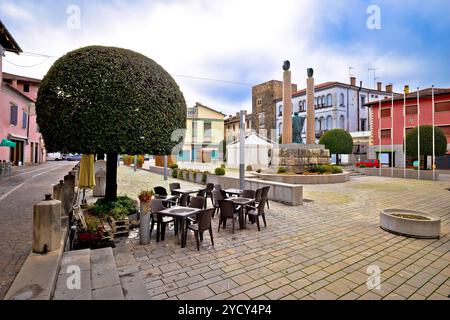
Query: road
18, 194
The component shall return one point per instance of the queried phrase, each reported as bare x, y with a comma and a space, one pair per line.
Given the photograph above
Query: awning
7, 143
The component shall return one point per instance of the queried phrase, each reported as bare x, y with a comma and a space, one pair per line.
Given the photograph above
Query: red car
371, 163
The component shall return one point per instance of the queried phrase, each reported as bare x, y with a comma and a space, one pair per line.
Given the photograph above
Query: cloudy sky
240, 43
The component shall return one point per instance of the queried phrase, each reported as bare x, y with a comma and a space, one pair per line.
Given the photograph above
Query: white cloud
14, 12
235, 40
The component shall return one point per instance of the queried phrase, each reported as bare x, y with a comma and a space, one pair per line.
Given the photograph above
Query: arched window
280, 128
317, 124
322, 123
342, 99
280, 111
322, 102
329, 100
342, 122
329, 123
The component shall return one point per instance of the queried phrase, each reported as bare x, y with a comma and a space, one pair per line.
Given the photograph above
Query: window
385, 113
342, 122
194, 131
280, 111
329, 123
386, 133
259, 102
322, 124
14, 115
329, 100
411, 109
322, 101
24, 120
342, 100
363, 101
207, 131
363, 124
442, 107
280, 128
262, 120
317, 124
26, 87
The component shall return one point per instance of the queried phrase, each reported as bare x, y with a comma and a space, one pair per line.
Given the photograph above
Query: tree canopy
338, 141
109, 100
426, 141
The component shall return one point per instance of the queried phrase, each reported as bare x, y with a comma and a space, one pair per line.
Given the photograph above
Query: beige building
204, 135
232, 125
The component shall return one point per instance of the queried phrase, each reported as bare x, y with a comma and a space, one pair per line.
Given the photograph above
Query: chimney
379, 86
14, 83
406, 90
389, 88
353, 81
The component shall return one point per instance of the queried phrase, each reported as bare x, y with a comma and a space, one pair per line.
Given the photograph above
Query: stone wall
295, 157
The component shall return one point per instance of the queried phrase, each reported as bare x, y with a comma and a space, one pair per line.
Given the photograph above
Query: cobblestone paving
321, 250
16, 214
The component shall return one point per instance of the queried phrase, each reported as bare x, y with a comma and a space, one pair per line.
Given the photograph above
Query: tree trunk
111, 177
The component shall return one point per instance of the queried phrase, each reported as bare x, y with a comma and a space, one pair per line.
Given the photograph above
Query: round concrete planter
408, 227
305, 179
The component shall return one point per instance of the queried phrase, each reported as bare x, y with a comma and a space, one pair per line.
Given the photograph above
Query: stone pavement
18, 194
321, 250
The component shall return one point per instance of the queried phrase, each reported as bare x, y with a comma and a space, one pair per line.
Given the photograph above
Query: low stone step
131, 278
104, 276
71, 262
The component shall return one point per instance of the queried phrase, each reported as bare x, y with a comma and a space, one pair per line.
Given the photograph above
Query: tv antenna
375, 78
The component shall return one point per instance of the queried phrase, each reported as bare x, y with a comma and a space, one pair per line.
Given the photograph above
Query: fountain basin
411, 224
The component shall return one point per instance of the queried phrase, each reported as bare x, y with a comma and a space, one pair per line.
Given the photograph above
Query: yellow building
204, 135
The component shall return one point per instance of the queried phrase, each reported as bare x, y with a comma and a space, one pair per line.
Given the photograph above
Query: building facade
17, 111
232, 126
387, 134
204, 135
338, 106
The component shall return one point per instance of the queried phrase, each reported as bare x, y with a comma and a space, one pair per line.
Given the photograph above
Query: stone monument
291, 154
298, 124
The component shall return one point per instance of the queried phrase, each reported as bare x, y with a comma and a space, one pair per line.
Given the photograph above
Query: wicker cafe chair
217, 196
161, 191
174, 186
227, 211
256, 212
157, 206
203, 224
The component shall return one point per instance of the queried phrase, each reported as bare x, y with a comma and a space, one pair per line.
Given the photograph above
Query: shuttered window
14, 111
411, 109
442, 107
24, 120
385, 113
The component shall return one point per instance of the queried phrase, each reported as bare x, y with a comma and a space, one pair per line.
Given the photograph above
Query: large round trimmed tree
104, 100
426, 142
338, 141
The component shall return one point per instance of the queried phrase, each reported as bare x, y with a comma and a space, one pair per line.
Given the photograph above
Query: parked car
371, 163
72, 157
57, 156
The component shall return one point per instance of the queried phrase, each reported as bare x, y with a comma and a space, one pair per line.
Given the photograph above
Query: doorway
17, 153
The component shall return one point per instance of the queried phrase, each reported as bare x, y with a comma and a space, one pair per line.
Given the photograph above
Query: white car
54, 156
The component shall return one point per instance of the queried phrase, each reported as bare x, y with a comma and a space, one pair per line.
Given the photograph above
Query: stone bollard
47, 225
68, 193
58, 194
75, 173
144, 227
100, 178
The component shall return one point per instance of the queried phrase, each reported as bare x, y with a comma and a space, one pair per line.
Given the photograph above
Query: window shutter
24, 120
13, 119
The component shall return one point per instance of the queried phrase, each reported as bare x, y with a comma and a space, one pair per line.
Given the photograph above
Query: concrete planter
410, 227
305, 179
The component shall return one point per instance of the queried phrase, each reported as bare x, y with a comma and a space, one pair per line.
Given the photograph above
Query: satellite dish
286, 65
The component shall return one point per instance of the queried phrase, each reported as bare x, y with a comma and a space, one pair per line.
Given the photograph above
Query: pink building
17, 111
390, 147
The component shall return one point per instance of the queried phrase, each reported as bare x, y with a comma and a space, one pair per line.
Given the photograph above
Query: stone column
311, 111
287, 107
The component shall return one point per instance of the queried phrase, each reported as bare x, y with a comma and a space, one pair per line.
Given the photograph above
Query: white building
338, 106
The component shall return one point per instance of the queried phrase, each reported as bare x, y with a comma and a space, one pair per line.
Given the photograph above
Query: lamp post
242, 151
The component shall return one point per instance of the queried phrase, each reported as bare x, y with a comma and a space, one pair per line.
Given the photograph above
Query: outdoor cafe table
180, 214
233, 192
242, 202
167, 200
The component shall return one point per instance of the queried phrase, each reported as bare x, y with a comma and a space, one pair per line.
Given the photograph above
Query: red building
391, 120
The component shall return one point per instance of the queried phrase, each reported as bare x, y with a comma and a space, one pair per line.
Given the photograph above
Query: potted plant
140, 161
145, 197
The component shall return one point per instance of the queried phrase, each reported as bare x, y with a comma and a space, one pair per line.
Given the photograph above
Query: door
16, 154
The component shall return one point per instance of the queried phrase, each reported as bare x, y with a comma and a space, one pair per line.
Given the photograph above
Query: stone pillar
58, 194
311, 111
68, 193
144, 227
100, 178
47, 225
287, 107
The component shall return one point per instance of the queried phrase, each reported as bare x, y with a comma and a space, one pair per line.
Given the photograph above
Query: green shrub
173, 166
281, 170
205, 177
181, 175
175, 173
336, 170
249, 168
123, 205
325, 169
223, 166
220, 172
